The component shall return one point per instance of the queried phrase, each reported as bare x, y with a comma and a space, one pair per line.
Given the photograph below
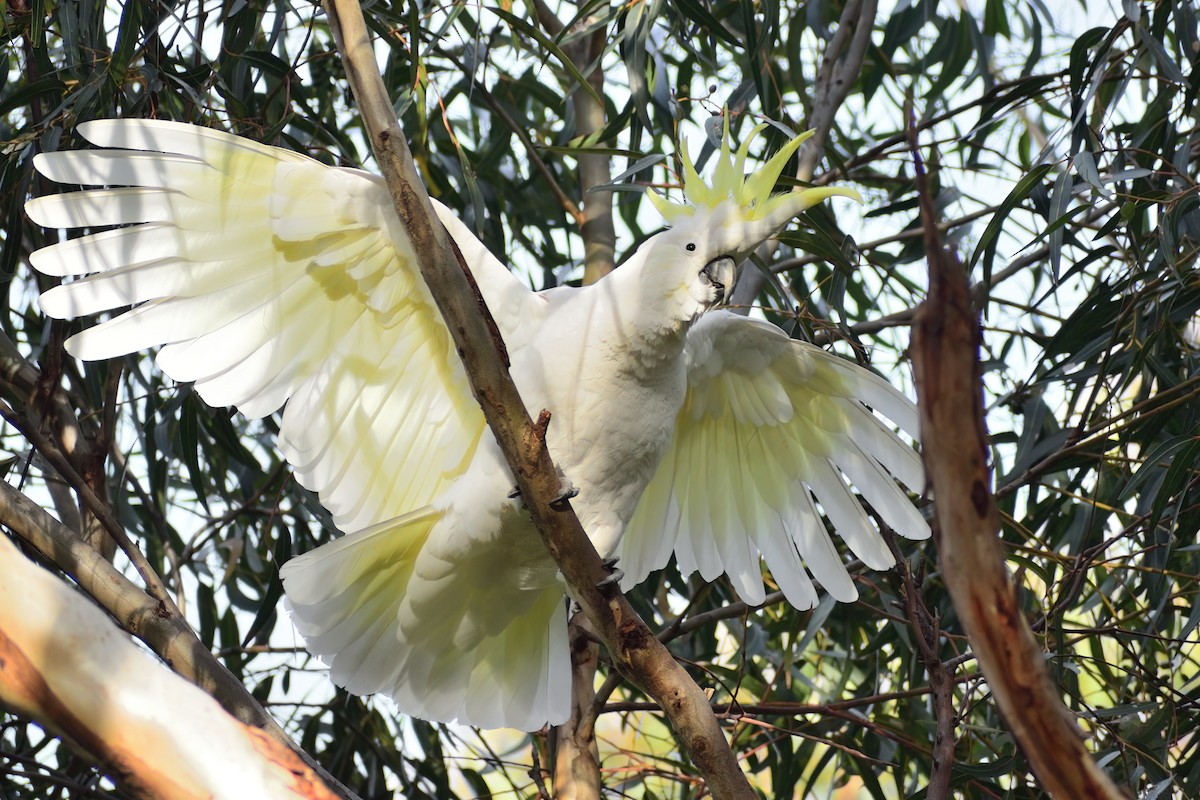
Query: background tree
1062, 156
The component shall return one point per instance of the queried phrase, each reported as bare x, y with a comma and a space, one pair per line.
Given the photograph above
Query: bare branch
840, 65
577, 758
66, 665
926, 630
946, 340
92, 502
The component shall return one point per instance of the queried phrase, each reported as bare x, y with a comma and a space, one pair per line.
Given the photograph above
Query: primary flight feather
272, 280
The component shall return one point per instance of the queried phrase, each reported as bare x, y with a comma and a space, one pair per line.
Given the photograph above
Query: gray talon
612, 578
615, 575
559, 503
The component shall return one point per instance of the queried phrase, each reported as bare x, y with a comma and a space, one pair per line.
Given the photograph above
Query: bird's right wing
769, 428
270, 278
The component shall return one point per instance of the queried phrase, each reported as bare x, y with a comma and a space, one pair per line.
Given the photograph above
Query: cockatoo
271, 280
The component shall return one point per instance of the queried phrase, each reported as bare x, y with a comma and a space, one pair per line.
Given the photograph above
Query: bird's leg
566, 490
615, 574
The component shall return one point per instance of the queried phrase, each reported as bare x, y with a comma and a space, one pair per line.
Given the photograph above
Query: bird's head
721, 222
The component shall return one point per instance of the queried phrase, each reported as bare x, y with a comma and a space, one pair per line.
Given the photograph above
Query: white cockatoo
272, 280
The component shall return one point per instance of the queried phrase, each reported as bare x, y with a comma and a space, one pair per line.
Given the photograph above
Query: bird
275, 283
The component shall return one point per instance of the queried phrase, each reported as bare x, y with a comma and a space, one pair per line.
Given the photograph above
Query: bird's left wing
268, 277
770, 428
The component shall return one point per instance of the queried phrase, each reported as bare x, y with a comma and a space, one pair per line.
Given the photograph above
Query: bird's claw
568, 490
614, 576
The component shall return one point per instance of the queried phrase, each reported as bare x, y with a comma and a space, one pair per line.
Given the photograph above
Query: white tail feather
493, 655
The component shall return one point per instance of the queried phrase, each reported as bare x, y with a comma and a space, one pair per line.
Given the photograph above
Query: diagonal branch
840, 64
166, 634
945, 352
633, 647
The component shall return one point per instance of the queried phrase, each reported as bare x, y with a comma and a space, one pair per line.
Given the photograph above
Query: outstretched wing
770, 425
270, 278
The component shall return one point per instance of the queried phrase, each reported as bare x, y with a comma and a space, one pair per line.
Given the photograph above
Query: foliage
1065, 172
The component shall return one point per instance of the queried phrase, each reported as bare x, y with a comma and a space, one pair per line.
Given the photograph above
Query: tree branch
631, 644
834, 78
945, 351
577, 758
92, 502
65, 664
166, 634
926, 633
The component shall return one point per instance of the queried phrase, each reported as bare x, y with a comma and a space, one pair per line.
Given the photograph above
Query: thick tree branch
632, 646
63, 663
166, 634
946, 340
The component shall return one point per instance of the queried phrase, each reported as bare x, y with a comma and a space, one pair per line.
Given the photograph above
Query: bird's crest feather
752, 193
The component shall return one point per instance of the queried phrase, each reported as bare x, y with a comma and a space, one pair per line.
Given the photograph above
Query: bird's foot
566, 490
615, 575
515, 494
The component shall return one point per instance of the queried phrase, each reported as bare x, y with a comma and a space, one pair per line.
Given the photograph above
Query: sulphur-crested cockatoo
272, 280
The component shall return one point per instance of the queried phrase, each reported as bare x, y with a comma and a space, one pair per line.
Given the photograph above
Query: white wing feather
768, 426
272, 278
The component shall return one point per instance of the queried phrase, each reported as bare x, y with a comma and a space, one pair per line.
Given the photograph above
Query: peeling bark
66, 665
945, 352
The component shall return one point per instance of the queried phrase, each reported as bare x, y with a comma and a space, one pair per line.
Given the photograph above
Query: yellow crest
752, 193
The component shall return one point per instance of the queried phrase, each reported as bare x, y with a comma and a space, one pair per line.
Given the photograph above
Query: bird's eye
691, 247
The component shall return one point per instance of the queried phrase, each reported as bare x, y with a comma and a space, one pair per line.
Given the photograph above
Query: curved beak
721, 273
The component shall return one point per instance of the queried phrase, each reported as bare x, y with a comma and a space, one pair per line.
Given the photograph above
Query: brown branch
92, 502
945, 351
632, 646
63, 663
141, 615
30, 388
792, 709
577, 756
577, 760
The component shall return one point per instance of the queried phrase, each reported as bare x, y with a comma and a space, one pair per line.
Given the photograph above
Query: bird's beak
721, 273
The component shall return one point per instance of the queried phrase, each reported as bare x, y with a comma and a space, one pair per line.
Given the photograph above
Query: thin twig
100, 509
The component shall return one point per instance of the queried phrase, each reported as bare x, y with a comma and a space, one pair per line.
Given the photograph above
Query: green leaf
986, 249
548, 43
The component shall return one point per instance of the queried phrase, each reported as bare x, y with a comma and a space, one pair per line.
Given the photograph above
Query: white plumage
271, 280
